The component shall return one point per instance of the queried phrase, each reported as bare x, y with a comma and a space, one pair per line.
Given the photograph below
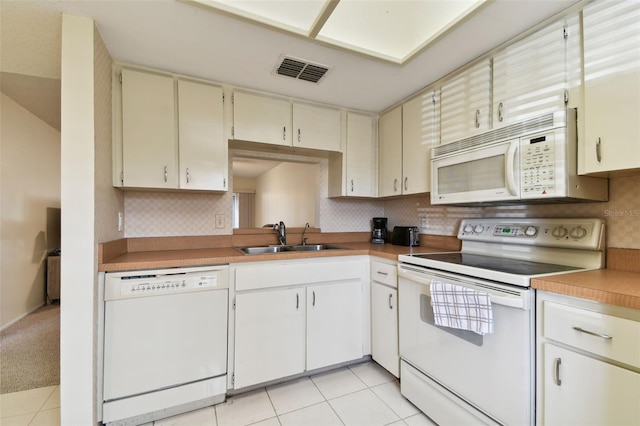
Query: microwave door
483, 174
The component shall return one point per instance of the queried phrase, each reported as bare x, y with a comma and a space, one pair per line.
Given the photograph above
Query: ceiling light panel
392, 30
294, 16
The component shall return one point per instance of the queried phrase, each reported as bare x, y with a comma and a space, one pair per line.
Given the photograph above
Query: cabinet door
149, 146
390, 153
360, 168
529, 77
465, 103
420, 132
203, 150
334, 323
269, 335
579, 390
261, 119
316, 127
384, 327
611, 86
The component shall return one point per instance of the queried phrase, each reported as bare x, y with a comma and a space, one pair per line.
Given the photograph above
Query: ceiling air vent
301, 69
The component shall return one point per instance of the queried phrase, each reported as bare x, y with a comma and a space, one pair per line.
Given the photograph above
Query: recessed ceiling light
385, 29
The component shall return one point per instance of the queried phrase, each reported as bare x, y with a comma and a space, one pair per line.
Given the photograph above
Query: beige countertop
163, 258
619, 284
621, 288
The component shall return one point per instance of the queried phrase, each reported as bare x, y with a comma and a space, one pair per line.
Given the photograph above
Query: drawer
384, 273
605, 335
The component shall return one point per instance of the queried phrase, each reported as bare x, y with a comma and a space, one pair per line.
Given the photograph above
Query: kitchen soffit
393, 31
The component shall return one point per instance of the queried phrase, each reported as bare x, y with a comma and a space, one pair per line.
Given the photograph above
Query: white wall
30, 183
282, 194
78, 266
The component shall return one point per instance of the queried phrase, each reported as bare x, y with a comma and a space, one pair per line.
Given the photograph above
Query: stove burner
511, 266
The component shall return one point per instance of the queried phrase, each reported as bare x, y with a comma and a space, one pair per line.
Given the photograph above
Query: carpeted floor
30, 351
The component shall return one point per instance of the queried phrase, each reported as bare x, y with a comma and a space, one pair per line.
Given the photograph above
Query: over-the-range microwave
534, 161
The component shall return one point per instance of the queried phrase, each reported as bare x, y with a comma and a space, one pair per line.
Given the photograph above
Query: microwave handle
511, 160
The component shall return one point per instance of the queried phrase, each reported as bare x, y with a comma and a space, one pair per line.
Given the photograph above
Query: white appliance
532, 161
458, 376
165, 342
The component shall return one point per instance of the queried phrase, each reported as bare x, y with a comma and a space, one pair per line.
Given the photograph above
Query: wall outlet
120, 221
424, 224
219, 221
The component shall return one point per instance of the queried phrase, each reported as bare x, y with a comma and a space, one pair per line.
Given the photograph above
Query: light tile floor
363, 394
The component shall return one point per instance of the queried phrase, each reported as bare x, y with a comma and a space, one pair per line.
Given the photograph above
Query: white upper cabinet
420, 132
359, 152
611, 36
316, 127
529, 77
203, 151
156, 134
390, 153
262, 119
277, 121
466, 103
149, 145
352, 173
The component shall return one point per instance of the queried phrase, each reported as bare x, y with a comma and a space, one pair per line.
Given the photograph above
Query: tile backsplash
621, 213
151, 214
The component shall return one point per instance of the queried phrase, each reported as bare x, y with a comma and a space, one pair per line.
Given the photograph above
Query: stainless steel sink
283, 249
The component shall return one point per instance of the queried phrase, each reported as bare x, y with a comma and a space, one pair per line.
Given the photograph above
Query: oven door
491, 372
488, 173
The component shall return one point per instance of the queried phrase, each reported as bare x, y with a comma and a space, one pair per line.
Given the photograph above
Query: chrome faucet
304, 240
282, 232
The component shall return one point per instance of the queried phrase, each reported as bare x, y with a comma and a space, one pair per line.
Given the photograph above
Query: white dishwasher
165, 342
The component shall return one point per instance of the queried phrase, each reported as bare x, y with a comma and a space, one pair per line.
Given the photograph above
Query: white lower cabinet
296, 316
588, 362
384, 316
580, 390
270, 335
334, 323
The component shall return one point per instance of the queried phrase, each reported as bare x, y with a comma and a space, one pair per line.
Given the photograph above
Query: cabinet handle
591, 333
188, 176
405, 183
556, 371
284, 133
313, 302
382, 273
390, 305
598, 150
351, 185
395, 185
166, 174
477, 118
500, 108
297, 301
224, 182
298, 135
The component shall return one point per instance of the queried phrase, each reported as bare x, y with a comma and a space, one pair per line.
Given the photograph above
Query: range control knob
478, 229
468, 229
559, 232
578, 232
531, 231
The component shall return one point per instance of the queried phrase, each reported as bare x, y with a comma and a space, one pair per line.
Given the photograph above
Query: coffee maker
379, 230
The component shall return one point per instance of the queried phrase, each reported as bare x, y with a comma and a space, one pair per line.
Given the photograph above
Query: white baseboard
4, 327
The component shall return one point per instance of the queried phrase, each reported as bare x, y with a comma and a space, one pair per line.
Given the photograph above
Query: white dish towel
461, 307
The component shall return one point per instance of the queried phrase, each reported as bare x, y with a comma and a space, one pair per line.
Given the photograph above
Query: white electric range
457, 376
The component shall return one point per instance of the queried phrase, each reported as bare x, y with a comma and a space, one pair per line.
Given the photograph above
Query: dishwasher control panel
168, 281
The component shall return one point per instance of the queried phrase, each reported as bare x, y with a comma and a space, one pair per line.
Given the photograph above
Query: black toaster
405, 236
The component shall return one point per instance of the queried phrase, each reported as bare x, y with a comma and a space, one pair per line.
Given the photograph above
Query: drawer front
605, 335
384, 273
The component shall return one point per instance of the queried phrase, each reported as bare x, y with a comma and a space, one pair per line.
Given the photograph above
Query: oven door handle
510, 301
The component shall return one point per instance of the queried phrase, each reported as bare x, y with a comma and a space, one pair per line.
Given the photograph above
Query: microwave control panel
538, 175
